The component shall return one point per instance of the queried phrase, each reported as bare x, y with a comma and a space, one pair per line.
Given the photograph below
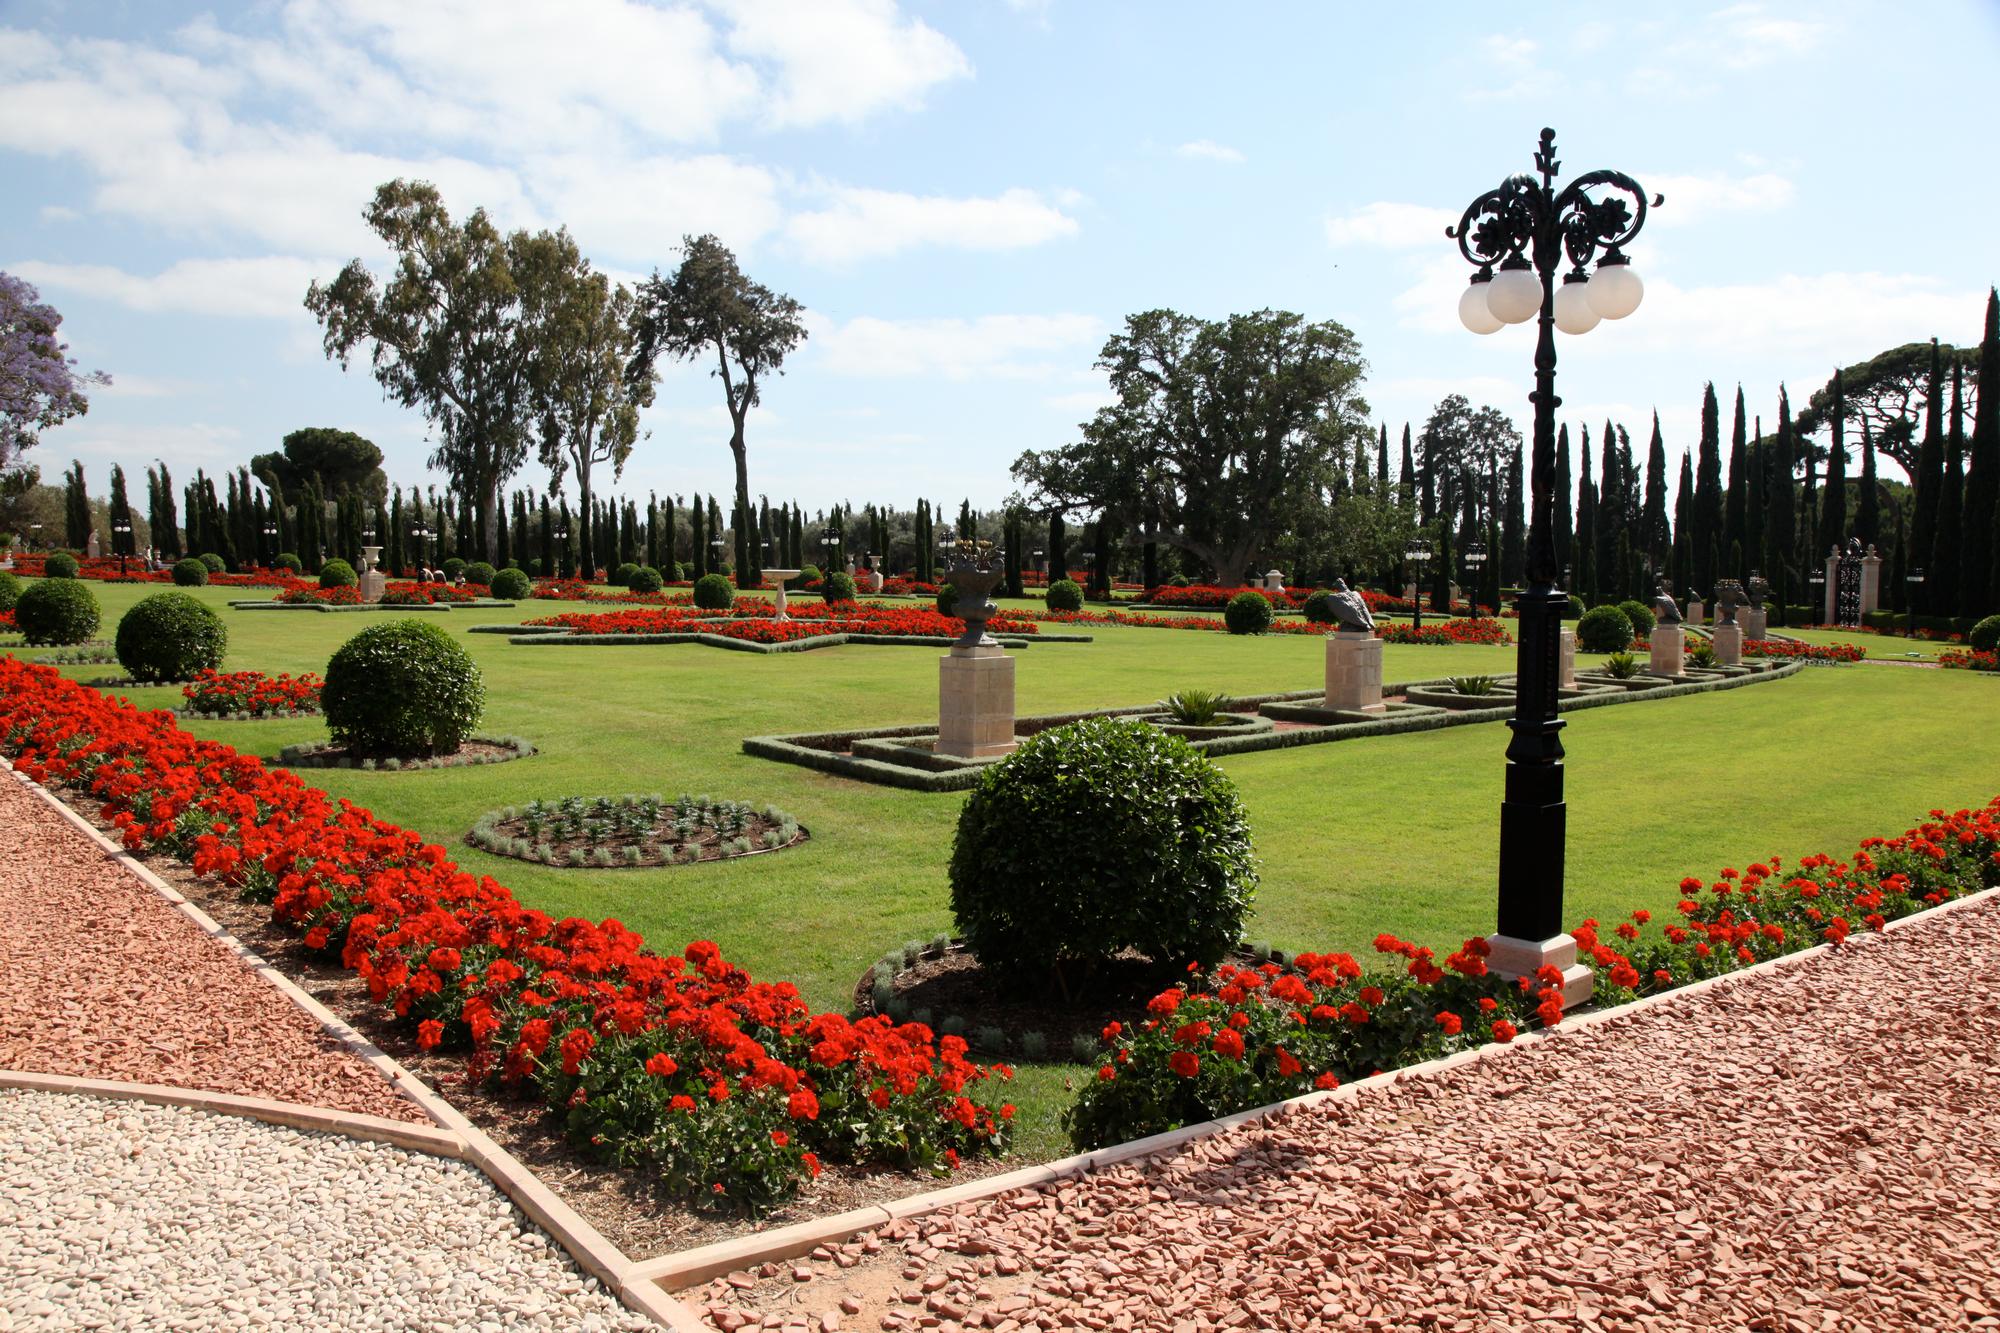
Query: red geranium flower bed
313, 593
7, 621
1794, 650
722, 1086
253, 692
1209, 597
1970, 660
1447, 631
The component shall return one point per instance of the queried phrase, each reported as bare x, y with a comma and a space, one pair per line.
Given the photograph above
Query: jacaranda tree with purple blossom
40, 385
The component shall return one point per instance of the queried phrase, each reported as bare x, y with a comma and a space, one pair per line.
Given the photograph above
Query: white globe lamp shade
1515, 295
1472, 311
1573, 310
1614, 290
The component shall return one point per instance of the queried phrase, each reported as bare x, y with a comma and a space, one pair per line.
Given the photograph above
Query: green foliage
1096, 837
289, 562
190, 573
10, 590
216, 564
1248, 613
712, 592
510, 585
479, 572
1063, 595
60, 565
947, 600
337, 573
1319, 608
1621, 666
1985, 636
170, 636
452, 568
1641, 617
1603, 629
339, 459
405, 688
644, 578
1474, 686
1178, 581
58, 611
837, 587
807, 574
1702, 655
621, 577
1194, 707
1574, 611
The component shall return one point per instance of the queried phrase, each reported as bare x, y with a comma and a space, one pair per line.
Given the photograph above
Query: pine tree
1944, 579
1654, 531
1736, 495
1868, 508
1707, 516
1833, 504
1978, 577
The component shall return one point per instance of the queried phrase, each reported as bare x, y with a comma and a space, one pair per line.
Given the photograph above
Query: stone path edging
675, 1272
455, 1135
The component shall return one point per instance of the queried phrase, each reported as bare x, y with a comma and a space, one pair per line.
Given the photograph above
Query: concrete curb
688, 1268
588, 1247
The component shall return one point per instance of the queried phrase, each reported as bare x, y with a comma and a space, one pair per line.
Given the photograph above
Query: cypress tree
1586, 527
393, 547
715, 531
1058, 553
1513, 537
1929, 479
1707, 517
1382, 462
1013, 534
1610, 517
1565, 525
1683, 548
1408, 476
1868, 508
1736, 495
1944, 578
1653, 528
670, 541
120, 511
1754, 487
548, 541
1361, 468
697, 539
1833, 505
1899, 564
1978, 576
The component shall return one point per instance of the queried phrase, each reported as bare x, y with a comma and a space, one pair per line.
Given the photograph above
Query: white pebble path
123, 1215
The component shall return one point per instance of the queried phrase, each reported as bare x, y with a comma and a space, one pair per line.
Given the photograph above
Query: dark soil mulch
652, 853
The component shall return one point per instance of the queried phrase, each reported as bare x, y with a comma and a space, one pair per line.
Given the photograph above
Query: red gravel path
1812, 1148
104, 979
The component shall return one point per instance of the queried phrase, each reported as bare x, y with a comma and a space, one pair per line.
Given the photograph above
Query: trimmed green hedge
170, 636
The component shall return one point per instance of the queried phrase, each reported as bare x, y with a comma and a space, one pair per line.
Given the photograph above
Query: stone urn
974, 605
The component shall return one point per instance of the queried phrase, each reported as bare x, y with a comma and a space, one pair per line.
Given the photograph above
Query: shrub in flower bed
479, 573
1208, 597
1642, 618
290, 563
1969, 661
1797, 651
404, 690
170, 636
1097, 837
336, 574
632, 831
252, 694
10, 590
725, 1089
1604, 629
60, 611
1447, 631
1985, 636
1248, 613
562, 590
215, 563
645, 578
190, 573
838, 587
60, 565
712, 592
511, 585
306, 593
7, 621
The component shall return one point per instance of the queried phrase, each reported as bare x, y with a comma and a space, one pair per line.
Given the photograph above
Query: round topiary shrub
534, 566
1097, 837
60, 565
713, 593
1641, 617
190, 573
645, 579
510, 585
215, 563
1574, 611
336, 574
1319, 608
290, 563
621, 577
837, 587
807, 574
1064, 595
402, 689
58, 611
1179, 580
1985, 636
1603, 629
947, 600
1247, 613
453, 568
10, 590
479, 572
170, 636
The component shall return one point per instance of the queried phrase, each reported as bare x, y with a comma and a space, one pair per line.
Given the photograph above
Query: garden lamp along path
1517, 236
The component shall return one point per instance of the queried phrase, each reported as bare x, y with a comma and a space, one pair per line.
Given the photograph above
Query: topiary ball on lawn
215, 563
807, 574
621, 577
1064, 595
1574, 611
1247, 613
60, 565
57, 611
1097, 837
190, 573
453, 568
1604, 629
713, 593
837, 587
1319, 608
336, 574
510, 585
1641, 616
290, 563
479, 572
404, 689
645, 579
170, 636
1985, 636
10, 590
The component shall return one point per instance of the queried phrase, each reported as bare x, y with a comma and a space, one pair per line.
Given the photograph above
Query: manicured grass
1396, 833
1875, 645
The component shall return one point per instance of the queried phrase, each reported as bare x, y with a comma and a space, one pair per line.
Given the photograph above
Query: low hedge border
818, 749
485, 835
482, 604
1239, 724
188, 712
84, 655
313, 755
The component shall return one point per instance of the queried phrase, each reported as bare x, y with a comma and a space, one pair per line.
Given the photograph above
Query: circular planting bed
1225, 724
632, 832
473, 750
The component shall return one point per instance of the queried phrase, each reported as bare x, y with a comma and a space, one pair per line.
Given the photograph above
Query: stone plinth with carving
1354, 672
372, 581
1729, 645
1669, 651
976, 678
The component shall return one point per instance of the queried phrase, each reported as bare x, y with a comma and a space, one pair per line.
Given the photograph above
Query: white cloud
988, 347
1395, 226
861, 224
131, 444
1697, 198
1209, 150
1747, 36
271, 287
840, 60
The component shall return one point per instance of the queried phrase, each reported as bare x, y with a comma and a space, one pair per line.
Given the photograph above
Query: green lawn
1396, 833
1885, 646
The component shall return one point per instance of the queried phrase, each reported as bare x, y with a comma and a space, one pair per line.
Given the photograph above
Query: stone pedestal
871, 582
1831, 601
1511, 958
1871, 582
1756, 623
1669, 655
372, 582
780, 575
1696, 612
1274, 581
1729, 645
1354, 672
1566, 676
975, 702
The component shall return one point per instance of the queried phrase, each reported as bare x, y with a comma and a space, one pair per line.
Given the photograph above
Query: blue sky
969, 197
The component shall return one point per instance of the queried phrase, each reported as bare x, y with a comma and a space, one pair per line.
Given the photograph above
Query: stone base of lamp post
779, 595
1566, 671
1756, 624
1354, 672
1729, 645
1512, 958
975, 702
1669, 651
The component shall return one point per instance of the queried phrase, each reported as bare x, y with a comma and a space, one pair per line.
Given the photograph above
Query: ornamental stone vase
974, 606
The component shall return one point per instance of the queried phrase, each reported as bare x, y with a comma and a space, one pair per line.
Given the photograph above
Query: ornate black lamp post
270, 544
1414, 555
1915, 578
561, 538
1526, 229
421, 535
121, 533
1475, 558
832, 543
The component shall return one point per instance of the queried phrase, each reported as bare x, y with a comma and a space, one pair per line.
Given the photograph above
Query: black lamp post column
1524, 228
